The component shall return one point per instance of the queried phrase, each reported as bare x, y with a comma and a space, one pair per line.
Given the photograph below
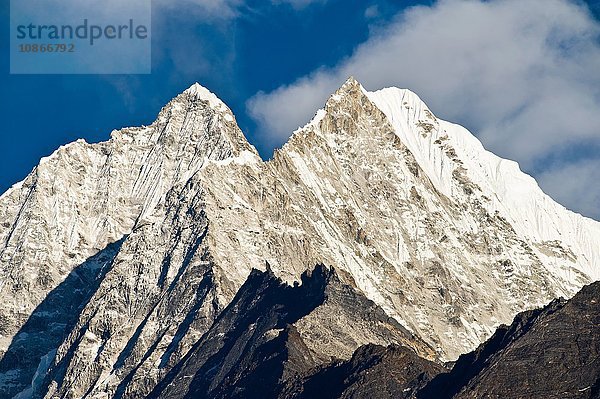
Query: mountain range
381, 252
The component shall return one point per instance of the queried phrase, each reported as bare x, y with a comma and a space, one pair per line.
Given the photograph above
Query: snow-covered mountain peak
201, 118
348, 97
448, 152
351, 95
382, 161
202, 93
351, 89
351, 84
84, 197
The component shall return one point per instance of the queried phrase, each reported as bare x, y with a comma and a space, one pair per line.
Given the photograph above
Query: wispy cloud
222, 10
372, 11
575, 183
207, 9
299, 3
523, 74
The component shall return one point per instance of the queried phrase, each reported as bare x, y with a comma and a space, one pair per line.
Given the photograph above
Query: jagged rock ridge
256, 346
546, 353
552, 352
443, 237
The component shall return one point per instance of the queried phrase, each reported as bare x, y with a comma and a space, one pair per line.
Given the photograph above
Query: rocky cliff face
148, 237
553, 352
260, 342
80, 203
373, 372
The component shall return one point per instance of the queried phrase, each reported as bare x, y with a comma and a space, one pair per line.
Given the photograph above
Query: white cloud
209, 9
280, 112
522, 74
575, 183
372, 11
298, 4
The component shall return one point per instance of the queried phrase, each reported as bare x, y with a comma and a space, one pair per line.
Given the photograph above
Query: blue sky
494, 66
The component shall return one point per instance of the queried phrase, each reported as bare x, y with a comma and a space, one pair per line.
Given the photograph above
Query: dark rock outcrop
547, 353
553, 352
373, 372
244, 354
255, 349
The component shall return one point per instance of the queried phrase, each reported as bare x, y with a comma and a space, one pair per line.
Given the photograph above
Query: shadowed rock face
552, 352
51, 321
254, 349
373, 372
547, 353
245, 352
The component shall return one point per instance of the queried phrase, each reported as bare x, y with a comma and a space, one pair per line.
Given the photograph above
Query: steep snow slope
531, 213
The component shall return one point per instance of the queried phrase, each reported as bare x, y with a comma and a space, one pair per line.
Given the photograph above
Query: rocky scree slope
159, 227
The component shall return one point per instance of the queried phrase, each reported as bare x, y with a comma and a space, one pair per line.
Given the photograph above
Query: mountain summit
121, 260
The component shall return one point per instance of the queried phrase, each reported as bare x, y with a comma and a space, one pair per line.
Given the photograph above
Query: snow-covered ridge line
42, 161
202, 93
531, 212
